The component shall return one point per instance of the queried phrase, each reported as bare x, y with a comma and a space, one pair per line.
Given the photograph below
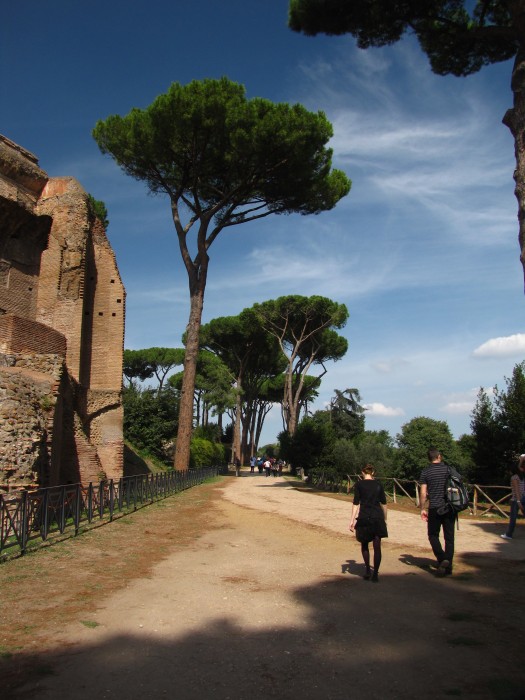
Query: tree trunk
292, 399
515, 120
251, 429
236, 442
288, 399
182, 450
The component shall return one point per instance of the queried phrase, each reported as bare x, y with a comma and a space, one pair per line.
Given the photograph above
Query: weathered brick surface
22, 335
26, 419
62, 313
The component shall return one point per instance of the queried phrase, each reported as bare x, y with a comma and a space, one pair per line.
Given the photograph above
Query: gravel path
475, 535
269, 602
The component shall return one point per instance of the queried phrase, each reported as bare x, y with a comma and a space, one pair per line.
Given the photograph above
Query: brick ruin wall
62, 313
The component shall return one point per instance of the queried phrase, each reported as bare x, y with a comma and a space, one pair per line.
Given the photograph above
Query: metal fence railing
29, 516
481, 502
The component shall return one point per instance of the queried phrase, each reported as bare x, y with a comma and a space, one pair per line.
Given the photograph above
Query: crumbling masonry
62, 306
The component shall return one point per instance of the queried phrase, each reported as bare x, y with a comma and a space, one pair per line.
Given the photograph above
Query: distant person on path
517, 485
267, 467
369, 518
253, 459
237, 465
438, 514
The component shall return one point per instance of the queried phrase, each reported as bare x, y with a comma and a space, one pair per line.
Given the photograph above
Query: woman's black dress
369, 495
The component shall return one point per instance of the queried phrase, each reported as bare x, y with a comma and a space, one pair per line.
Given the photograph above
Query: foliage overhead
135, 366
213, 383
222, 160
305, 330
226, 156
456, 39
143, 364
459, 37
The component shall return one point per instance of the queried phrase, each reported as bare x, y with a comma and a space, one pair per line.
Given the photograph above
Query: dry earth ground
252, 588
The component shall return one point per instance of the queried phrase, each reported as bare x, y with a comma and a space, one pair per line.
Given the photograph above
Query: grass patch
89, 623
138, 461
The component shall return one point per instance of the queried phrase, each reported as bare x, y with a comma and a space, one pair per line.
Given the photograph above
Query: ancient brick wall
61, 296
27, 401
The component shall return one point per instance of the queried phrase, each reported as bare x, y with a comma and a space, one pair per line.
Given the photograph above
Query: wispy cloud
405, 145
458, 407
509, 346
390, 366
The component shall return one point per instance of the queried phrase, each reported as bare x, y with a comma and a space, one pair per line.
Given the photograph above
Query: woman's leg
366, 557
377, 553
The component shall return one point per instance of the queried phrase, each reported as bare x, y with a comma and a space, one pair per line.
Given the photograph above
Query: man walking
438, 515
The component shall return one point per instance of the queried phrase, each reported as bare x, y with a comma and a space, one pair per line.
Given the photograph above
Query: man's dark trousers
435, 523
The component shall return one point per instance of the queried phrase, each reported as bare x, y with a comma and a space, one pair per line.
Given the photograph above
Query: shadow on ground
409, 636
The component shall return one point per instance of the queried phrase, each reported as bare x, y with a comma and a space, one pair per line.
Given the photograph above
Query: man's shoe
443, 567
505, 537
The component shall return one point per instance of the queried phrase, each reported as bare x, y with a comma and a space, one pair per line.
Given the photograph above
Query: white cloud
379, 409
458, 407
507, 346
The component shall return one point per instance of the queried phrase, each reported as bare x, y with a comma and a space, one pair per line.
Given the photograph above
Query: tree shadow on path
353, 639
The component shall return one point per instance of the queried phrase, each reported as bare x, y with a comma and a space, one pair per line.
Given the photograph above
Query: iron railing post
23, 523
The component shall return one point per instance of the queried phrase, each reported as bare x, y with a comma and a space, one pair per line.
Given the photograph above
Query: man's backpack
456, 493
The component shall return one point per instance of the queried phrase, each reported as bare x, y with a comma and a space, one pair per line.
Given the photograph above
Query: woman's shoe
375, 578
367, 575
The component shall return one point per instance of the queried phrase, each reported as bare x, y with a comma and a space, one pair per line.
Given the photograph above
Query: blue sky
423, 251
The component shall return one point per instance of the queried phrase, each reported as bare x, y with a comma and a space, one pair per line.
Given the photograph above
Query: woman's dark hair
518, 469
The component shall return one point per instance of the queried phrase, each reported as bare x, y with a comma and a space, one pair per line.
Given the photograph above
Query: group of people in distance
369, 513
269, 465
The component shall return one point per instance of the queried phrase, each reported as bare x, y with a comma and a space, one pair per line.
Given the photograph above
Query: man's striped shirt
435, 477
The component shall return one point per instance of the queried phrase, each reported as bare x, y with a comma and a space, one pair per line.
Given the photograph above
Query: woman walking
369, 518
517, 486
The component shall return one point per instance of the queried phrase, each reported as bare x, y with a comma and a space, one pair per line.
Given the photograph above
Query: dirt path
475, 536
264, 597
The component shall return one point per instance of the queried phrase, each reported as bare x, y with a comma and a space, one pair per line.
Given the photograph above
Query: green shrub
204, 453
150, 420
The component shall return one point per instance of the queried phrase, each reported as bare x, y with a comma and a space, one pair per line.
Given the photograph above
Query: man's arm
423, 494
